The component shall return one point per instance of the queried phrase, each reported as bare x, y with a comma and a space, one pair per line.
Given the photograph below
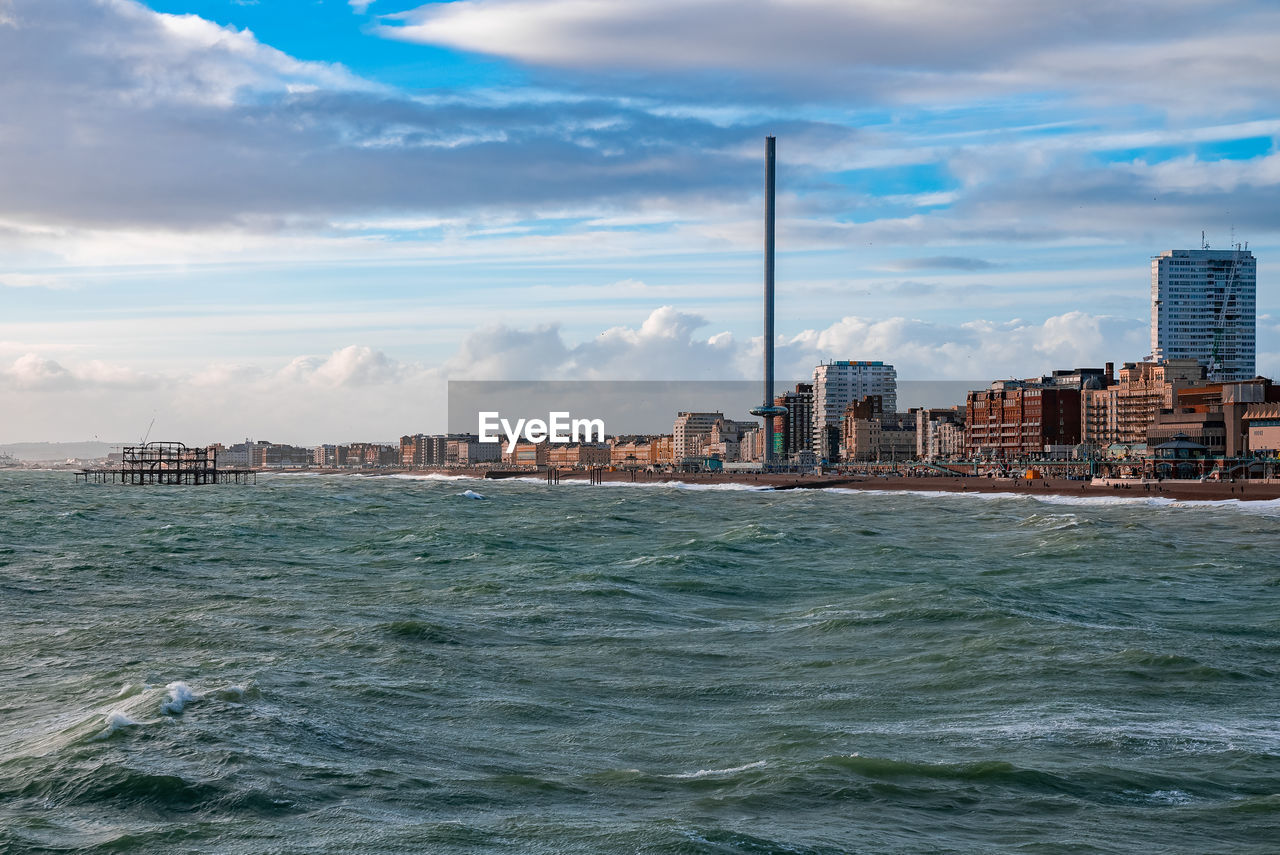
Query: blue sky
300, 219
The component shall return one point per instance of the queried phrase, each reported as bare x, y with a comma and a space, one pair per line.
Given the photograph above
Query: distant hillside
39, 451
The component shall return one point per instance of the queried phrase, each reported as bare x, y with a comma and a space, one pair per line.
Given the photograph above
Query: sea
344, 664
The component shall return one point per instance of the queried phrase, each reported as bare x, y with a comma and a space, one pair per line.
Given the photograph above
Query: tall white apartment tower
836, 385
1203, 308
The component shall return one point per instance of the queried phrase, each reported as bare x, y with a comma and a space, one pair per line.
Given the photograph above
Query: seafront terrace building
470, 451
418, 451
1017, 419
690, 432
649, 450
860, 431
1144, 388
530, 454
577, 454
281, 456
367, 455
939, 433
751, 446
897, 436
631, 451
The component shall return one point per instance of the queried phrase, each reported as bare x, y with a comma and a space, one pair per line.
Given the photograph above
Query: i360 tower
1203, 308
768, 409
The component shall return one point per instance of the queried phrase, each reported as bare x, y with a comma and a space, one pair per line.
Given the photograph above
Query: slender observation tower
767, 410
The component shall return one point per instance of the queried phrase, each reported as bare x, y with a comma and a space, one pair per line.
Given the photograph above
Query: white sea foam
232, 694
179, 694
116, 720
1266, 507
433, 476
471, 494
710, 773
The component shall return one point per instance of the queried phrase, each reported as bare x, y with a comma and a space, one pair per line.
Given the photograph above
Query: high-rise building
1203, 308
793, 432
838, 384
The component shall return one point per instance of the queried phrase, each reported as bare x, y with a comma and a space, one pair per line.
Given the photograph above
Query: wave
117, 720
432, 476
1267, 507
178, 695
711, 773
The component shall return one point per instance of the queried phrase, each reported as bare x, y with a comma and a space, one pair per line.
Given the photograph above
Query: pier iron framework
167, 463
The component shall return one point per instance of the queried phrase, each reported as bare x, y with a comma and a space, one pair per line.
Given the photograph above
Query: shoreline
1193, 491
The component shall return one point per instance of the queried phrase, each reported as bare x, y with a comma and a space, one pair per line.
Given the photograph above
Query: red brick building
1017, 420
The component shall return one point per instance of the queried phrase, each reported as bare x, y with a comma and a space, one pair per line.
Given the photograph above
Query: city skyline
306, 218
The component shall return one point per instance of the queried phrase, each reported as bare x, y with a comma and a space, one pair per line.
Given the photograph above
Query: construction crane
1220, 319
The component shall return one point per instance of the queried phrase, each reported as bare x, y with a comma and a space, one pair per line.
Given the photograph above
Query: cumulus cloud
33, 372
351, 366
666, 345
670, 344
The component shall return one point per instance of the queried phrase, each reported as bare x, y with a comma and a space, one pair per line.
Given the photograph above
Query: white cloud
668, 345
186, 58
32, 372
351, 366
360, 7
921, 50
359, 392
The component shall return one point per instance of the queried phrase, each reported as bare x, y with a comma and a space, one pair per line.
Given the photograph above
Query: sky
298, 220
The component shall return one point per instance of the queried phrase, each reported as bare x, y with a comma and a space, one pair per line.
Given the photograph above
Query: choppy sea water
385, 665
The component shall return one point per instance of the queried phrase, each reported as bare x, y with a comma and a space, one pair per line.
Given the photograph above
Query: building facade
939, 433
1203, 307
690, 432
1262, 429
860, 431
1016, 419
469, 451
793, 432
1145, 388
418, 451
578, 454
838, 384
